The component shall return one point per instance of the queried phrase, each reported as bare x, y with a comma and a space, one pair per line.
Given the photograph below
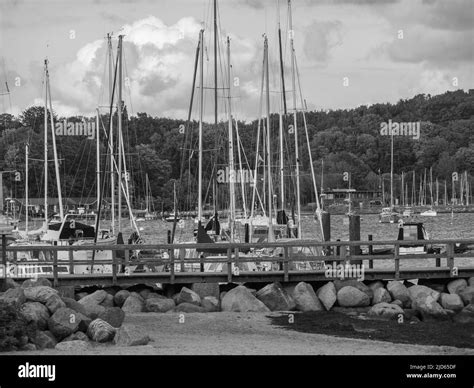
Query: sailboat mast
391, 171
267, 86
295, 125
215, 62
111, 137
27, 149
201, 110
45, 142
97, 157
231, 149
403, 190
120, 139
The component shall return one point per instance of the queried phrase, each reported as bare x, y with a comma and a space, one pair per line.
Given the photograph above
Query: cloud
320, 38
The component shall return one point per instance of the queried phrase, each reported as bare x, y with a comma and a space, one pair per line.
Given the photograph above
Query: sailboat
173, 215
430, 212
388, 214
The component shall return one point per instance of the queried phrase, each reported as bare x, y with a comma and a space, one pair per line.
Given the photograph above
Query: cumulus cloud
320, 38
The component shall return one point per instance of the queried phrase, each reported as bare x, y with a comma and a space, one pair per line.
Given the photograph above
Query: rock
100, 331
240, 299
29, 347
397, 302
417, 292
36, 282
381, 295
39, 293
130, 335
44, 340
464, 318
77, 336
66, 292
10, 283
113, 315
96, 297
429, 307
144, 293
133, 304
399, 291
175, 298
469, 308
36, 312
410, 314
54, 303
137, 295
188, 308
433, 284
189, 296
81, 295
75, 305
349, 296
120, 297
159, 305
154, 295
210, 304
339, 284
111, 290
470, 282
327, 295
108, 301
305, 298
456, 286
206, 289
75, 345
467, 295
375, 285
222, 294
451, 301
14, 296
385, 310
64, 322
275, 298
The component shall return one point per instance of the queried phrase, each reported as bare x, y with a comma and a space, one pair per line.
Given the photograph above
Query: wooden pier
163, 264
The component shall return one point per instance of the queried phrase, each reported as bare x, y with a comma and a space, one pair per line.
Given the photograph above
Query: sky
348, 52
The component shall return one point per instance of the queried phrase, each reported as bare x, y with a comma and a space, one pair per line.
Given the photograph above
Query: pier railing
166, 263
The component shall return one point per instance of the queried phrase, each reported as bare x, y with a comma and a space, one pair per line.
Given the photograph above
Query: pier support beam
354, 235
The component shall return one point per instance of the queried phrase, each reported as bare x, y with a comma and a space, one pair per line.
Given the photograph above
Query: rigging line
102, 84
85, 174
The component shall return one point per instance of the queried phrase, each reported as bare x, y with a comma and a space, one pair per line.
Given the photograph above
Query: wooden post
201, 262
285, 265
172, 266
326, 221
169, 236
450, 257
4, 254
229, 265
397, 261
71, 260
114, 267
182, 256
371, 252
55, 268
354, 235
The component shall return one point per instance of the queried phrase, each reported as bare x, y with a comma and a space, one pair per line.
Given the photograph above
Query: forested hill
341, 140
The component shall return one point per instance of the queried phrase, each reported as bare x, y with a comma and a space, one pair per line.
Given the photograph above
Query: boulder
108, 301
39, 293
467, 295
188, 308
29, 347
96, 297
399, 291
222, 294
456, 286
81, 295
44, 340
130, 335
374, 285
339, 284
75, 305
137, 295
304, 297
77, 336
240, 299
451, 302
144, 293
159, 305
189, 296
133, 304
206, 289
64, 322
417, 292
464, 318
327, 295
381, 295
10, 283
210, 304
429, 307
385, 310
175, 298
36, 312
470, 282
275, 298
36, 282
154, 295
54, 303
397, 302
13, 296
434, 284
120, 297
349, 296
100, 331
113, 315
74, 346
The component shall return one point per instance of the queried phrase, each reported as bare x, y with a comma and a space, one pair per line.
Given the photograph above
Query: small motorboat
429, 213
414, 231
388, 215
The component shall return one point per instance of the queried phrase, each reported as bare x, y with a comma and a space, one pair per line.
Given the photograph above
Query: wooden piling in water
354, 235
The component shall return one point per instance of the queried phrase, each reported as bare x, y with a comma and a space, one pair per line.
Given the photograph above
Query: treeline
166, 150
